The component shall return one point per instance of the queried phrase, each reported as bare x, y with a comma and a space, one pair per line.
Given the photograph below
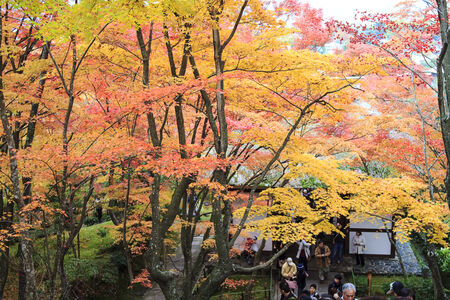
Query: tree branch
239, 268
236, 24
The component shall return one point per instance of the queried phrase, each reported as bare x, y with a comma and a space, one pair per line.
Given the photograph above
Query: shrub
80, 269
91, 277
422, 287
102, 232
118, 259
362, 285
444, 259
89, 221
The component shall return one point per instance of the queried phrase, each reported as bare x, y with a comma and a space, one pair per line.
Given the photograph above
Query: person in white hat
289, 270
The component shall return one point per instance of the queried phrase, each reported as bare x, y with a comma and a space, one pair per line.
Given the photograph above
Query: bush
80, 269
102, 232
91, 278
237, 286
444, 259
118, 259
362, 285
422, 287
89, 221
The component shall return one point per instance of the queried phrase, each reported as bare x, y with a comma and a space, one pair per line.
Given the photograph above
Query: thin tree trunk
112, 202
443, 81
400, 259
25, 244
433, 264
22, 293
257, 259
4, 268
428, 252
126, 248
6, 217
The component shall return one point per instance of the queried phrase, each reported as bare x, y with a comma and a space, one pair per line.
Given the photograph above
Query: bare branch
236, 24
264, 265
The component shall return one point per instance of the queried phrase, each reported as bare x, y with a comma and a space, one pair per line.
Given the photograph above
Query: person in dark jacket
338, 248
286, 293
408, 293
337, 284
395, 288
301, 278
334, 293
99, 209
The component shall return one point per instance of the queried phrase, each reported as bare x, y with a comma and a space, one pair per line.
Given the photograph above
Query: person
360, 244
338, 247
277, 246
307, 193
304, 295
313, 292
408, 293
395, 288
348, 291
303, 253
373, 298
248, 252
99, 209
289, 270
322, 254
337, 283
282, 284
333, 293
255, 247
286, 293
301, 278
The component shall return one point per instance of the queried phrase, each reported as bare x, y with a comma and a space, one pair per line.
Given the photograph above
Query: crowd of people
337, 290
325, 257
294, 274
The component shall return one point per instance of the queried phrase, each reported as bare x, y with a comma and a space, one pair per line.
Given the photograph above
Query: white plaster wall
377, 243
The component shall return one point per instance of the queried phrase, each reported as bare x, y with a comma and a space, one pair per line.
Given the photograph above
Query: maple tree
155, 108
414, 145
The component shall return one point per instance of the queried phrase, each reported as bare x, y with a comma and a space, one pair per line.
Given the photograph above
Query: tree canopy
152, 110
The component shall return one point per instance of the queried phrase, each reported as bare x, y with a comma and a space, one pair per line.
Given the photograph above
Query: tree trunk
213, 281
126, 248
433, 264
25, 245
4, 268
428, 252
258, 254
111, 213
392, 241
4, 255
112, 202
443, 78
22, 276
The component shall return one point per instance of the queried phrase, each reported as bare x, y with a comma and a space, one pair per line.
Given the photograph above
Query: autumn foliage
154, 110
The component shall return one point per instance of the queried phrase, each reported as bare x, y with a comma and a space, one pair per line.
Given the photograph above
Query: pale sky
344, 10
